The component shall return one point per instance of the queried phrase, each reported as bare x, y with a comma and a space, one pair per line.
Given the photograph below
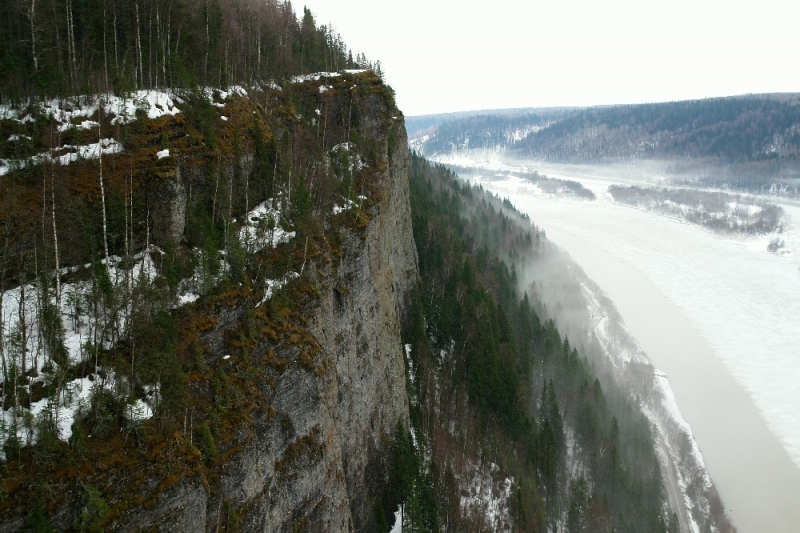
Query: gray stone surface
320, 462
316, 458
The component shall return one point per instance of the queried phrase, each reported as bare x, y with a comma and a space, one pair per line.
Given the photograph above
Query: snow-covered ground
262, 229
20, 320
488, 495
742, 300
680, 455
20, 311
75, 113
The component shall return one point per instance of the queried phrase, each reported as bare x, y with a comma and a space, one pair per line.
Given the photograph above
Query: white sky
458, 55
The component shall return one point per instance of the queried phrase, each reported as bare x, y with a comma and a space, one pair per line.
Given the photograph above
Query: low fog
560, 290
712, 309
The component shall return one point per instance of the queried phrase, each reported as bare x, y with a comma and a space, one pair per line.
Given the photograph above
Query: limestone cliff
302, 442
318, 459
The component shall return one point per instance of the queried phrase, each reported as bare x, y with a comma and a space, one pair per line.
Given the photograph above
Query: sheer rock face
319, 461
370, 395
314, 456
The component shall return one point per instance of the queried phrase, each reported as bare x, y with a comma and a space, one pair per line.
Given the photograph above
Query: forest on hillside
733, 129
488, 132
58, 48
133, 221
487, 367
748, 143
719, 211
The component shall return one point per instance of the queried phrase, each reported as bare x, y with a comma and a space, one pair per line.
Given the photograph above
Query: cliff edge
288, 358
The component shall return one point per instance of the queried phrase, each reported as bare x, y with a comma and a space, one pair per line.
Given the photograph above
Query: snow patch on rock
262, 229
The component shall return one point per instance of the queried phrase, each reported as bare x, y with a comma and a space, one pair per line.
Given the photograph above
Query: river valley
720, 315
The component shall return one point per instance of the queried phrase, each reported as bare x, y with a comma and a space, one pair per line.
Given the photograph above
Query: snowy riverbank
721, 316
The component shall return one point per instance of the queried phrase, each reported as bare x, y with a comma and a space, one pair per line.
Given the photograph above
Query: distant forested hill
420, 123
732, 129
745, 142
491, 131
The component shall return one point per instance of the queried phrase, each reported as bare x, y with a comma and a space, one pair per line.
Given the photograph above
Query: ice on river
742, 299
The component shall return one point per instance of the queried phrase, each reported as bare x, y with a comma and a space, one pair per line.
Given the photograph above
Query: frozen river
720, 315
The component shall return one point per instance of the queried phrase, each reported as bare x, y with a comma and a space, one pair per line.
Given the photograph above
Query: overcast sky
458, 55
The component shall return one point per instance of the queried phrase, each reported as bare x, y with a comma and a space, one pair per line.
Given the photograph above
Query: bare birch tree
30, 11
102, 188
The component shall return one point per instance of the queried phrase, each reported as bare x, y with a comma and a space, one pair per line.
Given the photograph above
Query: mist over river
720, 315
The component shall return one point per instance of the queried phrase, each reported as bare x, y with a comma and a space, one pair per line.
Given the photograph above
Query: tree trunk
139, 47
230, 213
2, 294
165, 31
71, 42
58, 40
150, 49
116, 49
214, 201
208, 47
102, 188
32, 19
55, 237
23, 328
105, 48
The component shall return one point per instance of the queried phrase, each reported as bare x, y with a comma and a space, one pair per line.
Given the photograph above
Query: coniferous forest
748, 143
52, 48
735, 129
485, 363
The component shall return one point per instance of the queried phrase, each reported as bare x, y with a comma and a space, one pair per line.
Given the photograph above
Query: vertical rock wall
312, 451
318, 459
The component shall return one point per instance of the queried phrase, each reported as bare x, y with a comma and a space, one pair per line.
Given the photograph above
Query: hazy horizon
510, 110
444, 56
